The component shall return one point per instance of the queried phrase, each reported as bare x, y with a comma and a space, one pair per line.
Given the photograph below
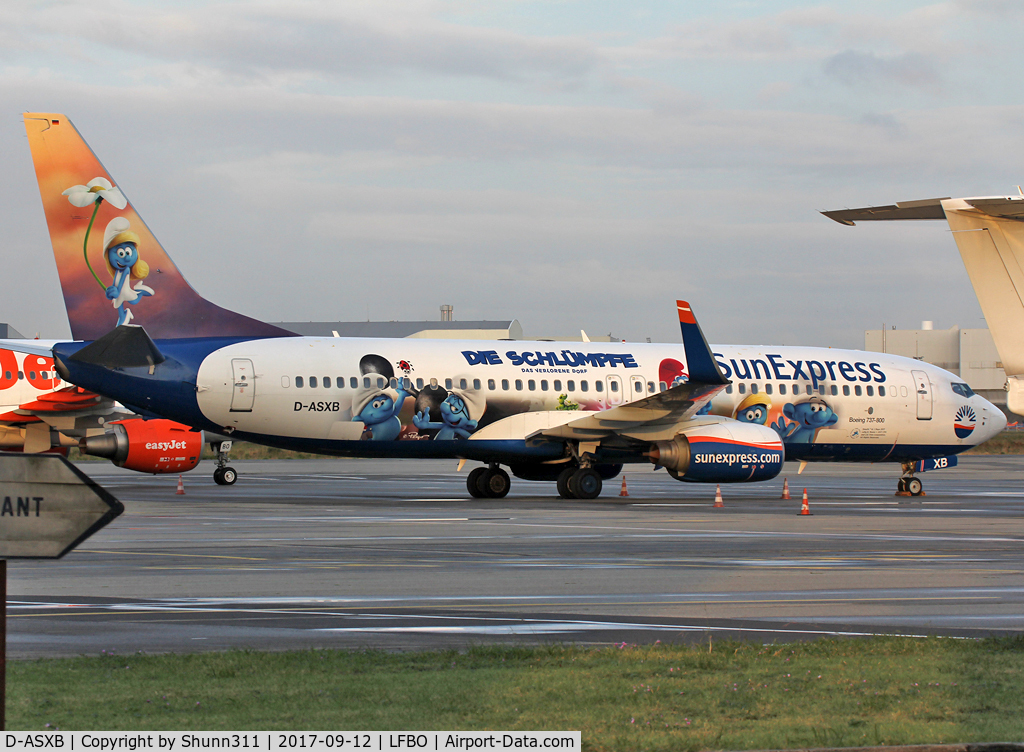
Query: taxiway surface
395, 555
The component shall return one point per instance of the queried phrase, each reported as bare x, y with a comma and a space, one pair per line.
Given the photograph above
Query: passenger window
571, 385
366, 382
327, 382
32, 375
871, 391
821, 390
298, 382
504, 384
856, 390
903, 391
419, 383
381, 383
846, 390
834, 390
613, 385
463, 384
7, 375
285, 381
490, 384
312, 382
584, 386
532, 385
21, 375
543, 385
519, 385
728, 389
782, 388
742, 389
448, 384
650, 387
353, 382
663, 387
558, 385
476, 383
881, 391
598, 386
753, 388
406, 383
767, 388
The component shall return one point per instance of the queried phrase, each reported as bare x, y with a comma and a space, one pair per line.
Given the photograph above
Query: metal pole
3, 644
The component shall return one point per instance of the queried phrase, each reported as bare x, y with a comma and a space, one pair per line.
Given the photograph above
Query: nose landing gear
908, 485
223, 475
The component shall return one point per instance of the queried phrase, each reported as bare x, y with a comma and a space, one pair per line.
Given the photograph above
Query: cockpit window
962, 389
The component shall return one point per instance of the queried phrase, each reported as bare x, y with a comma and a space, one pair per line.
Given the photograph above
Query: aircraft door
924, 395
614, 386
243, 385
638, 388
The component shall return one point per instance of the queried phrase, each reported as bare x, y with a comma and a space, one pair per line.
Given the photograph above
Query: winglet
700, 362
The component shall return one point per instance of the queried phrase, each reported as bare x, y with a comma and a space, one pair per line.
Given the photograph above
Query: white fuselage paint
500, 374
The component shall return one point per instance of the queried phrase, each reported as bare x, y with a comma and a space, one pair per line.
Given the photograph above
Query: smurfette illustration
121, 253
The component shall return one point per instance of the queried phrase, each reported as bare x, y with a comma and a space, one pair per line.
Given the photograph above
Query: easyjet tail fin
112, 269
989, 231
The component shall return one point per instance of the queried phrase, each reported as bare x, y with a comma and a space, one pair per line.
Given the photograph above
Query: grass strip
849, 692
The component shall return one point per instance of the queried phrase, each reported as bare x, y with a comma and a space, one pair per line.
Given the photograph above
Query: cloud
855, 68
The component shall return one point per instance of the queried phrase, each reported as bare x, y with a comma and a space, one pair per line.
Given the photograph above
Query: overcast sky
570, 164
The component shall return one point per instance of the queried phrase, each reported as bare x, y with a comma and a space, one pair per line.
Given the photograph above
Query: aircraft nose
995, 422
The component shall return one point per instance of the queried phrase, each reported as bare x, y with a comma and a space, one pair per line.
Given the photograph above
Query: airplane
572, 413
40, 413
989, 232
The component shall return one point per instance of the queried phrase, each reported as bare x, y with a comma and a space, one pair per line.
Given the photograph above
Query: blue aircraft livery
569, 412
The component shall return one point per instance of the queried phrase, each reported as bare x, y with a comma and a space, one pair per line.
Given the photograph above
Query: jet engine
147, 446
729, 451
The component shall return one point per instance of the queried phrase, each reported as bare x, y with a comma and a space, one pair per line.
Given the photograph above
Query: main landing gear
489, 482
579, 483
223, 475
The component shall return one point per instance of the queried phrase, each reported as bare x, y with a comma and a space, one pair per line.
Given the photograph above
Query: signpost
47, 507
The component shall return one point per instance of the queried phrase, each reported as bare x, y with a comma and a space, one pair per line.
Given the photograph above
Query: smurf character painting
457, 416
810, 417
121, 254
378, 409
753, 409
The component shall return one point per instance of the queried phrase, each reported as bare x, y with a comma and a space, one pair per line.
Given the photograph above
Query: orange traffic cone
718, 497
785, 488
623, 492
804, 509
181, 486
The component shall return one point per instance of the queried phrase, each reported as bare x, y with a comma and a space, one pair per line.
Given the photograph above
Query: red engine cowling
728, 451
148, 446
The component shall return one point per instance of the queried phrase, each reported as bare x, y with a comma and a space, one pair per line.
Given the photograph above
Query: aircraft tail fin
989, 231
112, 269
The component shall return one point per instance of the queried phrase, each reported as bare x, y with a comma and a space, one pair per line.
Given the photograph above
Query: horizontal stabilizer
126, 346
929, 208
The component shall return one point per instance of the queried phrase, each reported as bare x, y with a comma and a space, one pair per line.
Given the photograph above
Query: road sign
48, 506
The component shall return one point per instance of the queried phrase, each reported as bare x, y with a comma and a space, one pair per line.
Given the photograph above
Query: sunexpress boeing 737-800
566, 412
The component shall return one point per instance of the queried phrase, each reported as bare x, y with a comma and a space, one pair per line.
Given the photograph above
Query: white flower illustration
97, 188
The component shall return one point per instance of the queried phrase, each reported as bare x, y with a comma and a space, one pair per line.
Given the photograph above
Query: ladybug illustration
404, 365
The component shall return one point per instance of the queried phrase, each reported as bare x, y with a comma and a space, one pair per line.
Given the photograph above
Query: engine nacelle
148, 446
726, 452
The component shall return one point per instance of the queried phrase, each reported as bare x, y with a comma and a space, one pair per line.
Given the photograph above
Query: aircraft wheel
914, 486
585, 483
218, 476
228, 476
562, 484
474, 483
901, 485
495, 483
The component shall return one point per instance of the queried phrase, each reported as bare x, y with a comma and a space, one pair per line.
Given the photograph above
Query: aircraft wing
69, 413
42, 347
655, 416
